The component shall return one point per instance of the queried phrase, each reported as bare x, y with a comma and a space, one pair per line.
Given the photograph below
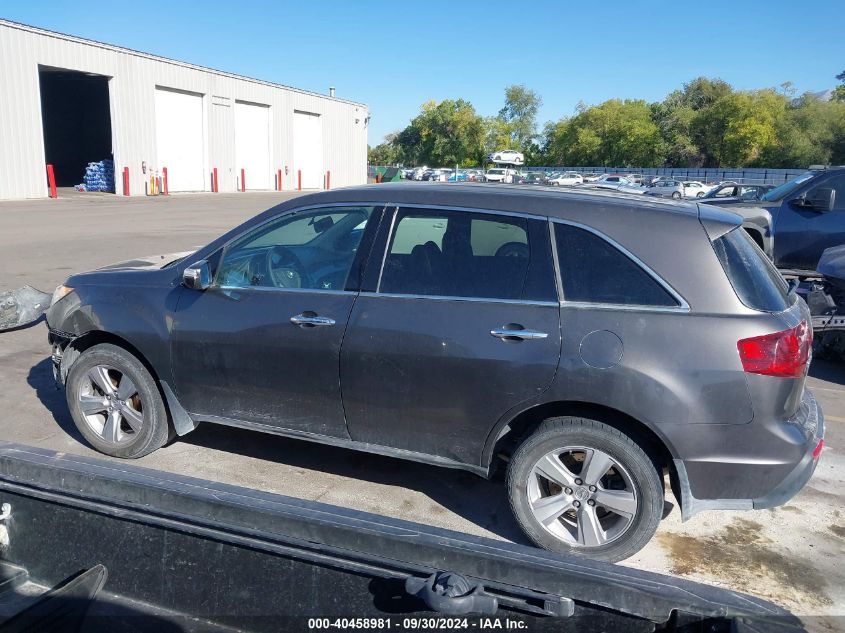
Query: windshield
788, 187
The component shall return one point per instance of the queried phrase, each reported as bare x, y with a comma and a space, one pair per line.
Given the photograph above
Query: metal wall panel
132, 87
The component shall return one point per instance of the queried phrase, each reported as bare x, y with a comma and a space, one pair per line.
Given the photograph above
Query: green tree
839, 91
515, 127
676, 114
445, 133
614, 133
385, 153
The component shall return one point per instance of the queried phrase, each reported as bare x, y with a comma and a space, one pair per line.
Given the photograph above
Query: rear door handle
520, 335
311, 320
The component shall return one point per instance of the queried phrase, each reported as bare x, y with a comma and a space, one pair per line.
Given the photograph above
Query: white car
695, 189
567, 178
500, 175
615, 182
591, 177
508, 156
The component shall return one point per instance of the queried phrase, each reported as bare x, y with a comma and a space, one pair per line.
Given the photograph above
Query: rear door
458, 325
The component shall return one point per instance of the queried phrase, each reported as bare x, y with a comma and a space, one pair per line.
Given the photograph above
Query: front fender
140, 315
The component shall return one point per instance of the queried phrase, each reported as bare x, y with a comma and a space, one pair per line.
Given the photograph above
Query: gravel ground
792, 555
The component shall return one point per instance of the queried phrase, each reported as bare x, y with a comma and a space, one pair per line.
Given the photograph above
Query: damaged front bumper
59, 342
22, 307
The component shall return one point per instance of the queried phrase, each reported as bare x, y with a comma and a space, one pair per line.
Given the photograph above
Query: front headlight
60, 293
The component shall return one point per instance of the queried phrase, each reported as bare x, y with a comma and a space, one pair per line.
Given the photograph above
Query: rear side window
754, 278
438, 252
593, 270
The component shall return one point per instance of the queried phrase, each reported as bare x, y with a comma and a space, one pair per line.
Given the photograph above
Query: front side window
822, 192
312, 249
593, 270
435, 252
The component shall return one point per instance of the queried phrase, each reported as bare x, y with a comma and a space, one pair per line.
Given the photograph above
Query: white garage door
252, 144
308, 149
179, 138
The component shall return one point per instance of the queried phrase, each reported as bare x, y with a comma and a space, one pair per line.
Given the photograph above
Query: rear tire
676, 195
566, 512
116, 404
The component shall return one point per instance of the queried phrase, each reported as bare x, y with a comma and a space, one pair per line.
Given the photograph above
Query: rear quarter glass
756, 281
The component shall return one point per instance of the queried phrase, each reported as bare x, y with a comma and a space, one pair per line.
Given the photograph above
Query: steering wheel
513, 249
286, 269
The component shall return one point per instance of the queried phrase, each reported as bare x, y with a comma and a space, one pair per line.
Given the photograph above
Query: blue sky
395, 55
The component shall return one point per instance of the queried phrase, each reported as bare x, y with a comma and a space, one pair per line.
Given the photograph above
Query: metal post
164, 175
243, 180
214, 180
125, 181
51, 181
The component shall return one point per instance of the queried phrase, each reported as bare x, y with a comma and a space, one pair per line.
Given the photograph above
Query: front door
801, 233
262, 344
462, 326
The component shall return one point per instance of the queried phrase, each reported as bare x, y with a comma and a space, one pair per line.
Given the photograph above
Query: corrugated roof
159, 58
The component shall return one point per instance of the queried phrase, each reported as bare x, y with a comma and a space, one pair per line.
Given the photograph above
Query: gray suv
590, 344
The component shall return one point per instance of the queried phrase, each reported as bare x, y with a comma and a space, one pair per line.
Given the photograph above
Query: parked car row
727, 192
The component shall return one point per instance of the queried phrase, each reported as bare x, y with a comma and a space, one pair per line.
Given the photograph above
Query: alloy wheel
111, 405
582, 496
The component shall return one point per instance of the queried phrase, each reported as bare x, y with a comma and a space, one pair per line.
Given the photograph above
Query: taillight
783, 354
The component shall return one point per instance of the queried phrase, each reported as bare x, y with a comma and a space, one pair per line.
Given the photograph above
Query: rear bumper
810, 419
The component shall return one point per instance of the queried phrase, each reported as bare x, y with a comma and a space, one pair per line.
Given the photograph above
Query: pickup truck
92, 545
794, 222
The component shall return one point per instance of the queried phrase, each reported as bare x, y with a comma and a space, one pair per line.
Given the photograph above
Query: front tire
115, 403
676, 195
581, 487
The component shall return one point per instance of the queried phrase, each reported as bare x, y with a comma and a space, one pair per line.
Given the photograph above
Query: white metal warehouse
66, 102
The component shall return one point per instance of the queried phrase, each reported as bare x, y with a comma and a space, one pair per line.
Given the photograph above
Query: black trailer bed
196, 555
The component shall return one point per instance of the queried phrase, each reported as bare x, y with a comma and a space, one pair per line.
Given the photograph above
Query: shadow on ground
40, 378
831, 370
477, 500
480, 501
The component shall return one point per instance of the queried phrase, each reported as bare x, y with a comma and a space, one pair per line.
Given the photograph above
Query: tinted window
755, 280
595, 271
458, 254
837, 183
310, 250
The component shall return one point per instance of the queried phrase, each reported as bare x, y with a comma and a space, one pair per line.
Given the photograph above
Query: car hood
747, 210
148, 261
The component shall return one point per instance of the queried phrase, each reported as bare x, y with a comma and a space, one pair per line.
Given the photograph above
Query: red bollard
51, 181
214, 180
164, 175
279, 181
125, 181
243, 180
328, 180
299, 179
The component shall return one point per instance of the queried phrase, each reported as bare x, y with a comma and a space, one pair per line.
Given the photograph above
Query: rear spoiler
717, 222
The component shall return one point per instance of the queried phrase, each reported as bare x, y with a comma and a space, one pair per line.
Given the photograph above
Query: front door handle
515, 334
309, 319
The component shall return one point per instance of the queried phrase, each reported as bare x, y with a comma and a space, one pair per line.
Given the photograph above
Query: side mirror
197, 276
